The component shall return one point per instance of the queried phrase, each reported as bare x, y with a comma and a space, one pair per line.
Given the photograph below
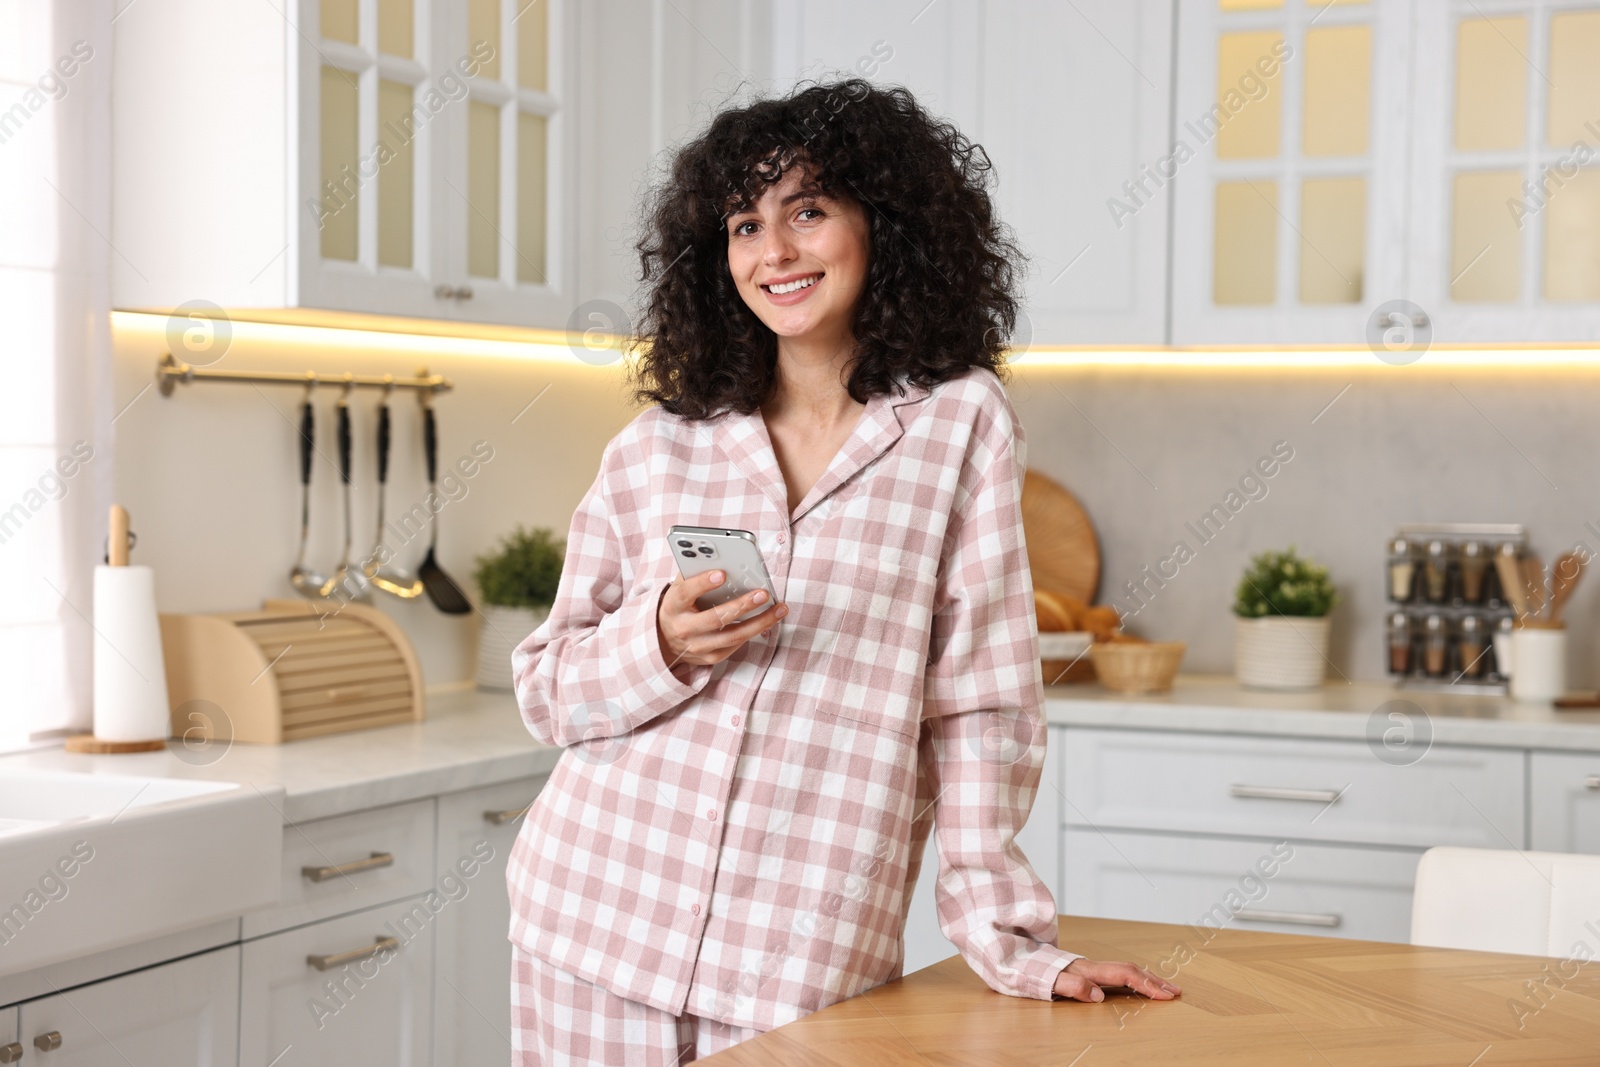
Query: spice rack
1446, 612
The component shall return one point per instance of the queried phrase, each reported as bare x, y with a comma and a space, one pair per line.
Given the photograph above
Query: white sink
92, 862
31, 800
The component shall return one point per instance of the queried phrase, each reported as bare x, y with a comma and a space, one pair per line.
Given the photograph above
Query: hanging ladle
348, 582
391, 580
306, 582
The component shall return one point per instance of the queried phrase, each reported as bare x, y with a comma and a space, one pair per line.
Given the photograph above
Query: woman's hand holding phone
693, 637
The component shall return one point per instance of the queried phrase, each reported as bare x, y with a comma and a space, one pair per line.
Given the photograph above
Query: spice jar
1402, 569
1399, 643
1472, 643
1435, 645
1502, 646
1436, 571
1474, 563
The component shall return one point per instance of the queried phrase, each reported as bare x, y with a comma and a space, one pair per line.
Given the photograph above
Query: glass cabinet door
1507, 169
369, 127
1288, 166
507, 151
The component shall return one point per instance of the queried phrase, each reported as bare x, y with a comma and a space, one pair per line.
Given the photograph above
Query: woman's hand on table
1086, 979
702, 638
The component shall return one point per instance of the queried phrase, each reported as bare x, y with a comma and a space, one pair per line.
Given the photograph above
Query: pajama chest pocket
878, 641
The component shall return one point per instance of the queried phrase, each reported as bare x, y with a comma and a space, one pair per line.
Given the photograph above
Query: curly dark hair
940, 295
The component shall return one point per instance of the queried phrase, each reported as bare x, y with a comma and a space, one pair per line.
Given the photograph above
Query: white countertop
472, 738
1351, 711
468, 739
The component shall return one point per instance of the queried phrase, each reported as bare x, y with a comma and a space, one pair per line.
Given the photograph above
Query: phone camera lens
706, 550
689, 554
685, 544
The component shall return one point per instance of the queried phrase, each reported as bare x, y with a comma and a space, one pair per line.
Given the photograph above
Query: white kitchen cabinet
345, 991
1075, 112
349, 862
1565, 802
1070, 101
1039, 840
472, 981
1290, 204
180, 1014
1316, 790
649, 76
374, 156
1504, 188
1327, 890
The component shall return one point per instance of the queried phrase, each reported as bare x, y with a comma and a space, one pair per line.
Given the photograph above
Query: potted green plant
1282, 605
517, 584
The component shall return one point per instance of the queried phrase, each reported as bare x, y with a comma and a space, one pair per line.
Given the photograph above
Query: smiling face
799, 258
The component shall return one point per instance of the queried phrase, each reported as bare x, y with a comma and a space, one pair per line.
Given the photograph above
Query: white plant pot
1280, 652
501, 630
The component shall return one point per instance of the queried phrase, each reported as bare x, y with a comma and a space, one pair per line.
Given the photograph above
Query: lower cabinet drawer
1302, 790
344, 992
349, 862
1565, 802
1290, 887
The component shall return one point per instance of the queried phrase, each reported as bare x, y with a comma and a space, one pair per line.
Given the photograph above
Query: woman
732, 837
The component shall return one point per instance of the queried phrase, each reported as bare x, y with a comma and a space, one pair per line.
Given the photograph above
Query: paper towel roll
130, 678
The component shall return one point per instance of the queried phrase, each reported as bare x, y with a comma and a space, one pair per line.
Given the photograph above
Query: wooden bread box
294, 669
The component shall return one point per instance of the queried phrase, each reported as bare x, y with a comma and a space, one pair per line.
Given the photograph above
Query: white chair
1502, 900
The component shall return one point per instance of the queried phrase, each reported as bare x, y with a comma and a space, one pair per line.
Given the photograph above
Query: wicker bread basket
1129, 667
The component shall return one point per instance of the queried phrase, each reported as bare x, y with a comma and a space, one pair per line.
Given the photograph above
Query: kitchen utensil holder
293, 670
1415, 605
170, 372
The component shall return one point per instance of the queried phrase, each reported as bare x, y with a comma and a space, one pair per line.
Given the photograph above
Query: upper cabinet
1505, 188
1177, 171
1344, 155
1289, 163
398, 157
1072, 104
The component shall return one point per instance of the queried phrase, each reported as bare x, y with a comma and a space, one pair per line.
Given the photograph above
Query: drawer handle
1592, 782
500, 818
48, 1042
1275, 792
371, 863
339, 959
1296, 918
11, 1053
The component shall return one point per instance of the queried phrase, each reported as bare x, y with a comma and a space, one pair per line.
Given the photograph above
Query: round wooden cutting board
1063, 552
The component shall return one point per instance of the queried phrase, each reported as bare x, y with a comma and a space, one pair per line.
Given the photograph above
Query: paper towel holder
119, 541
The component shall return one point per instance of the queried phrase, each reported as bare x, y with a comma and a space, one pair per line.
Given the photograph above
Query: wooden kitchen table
1248, 998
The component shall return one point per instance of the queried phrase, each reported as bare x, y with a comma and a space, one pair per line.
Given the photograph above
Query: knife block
292, 670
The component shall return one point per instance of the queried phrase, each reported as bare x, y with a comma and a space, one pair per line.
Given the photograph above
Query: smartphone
702, 548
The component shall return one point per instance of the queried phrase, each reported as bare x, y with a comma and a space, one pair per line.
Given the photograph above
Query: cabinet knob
11, 1053
444, 292
48, 1042
464, 293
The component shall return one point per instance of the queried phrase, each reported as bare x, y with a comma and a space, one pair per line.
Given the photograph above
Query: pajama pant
560, 1020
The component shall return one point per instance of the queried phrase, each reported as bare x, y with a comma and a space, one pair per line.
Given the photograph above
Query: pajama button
695, 910
780, 539
711, 813
736, 720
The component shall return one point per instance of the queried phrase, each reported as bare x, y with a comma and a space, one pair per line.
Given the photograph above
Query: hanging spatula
442, 589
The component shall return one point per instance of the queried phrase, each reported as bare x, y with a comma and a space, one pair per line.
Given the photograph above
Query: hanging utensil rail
171, 371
